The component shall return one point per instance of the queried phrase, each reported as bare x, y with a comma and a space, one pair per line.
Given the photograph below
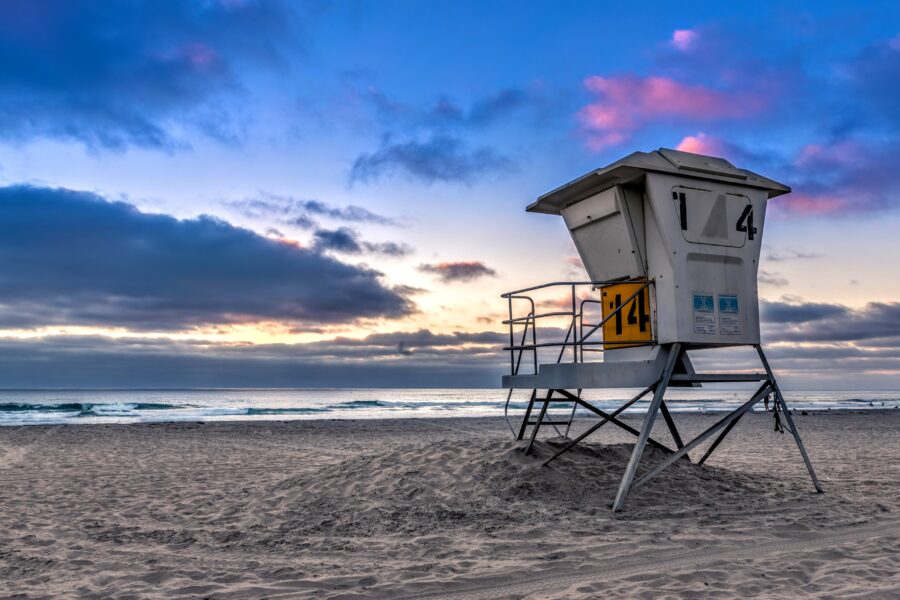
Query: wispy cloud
439, 158
458, 271
304, 212
787, 254
445, 112
771, 278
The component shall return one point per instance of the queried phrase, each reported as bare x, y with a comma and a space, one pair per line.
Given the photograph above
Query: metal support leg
779, 397
527, 415
649, 419
537, 424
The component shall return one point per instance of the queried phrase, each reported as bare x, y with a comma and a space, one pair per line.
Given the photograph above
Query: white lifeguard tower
671, 242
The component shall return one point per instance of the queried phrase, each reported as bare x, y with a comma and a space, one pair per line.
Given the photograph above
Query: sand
444, 508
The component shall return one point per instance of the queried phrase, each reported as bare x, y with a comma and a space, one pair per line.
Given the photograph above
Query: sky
230, 193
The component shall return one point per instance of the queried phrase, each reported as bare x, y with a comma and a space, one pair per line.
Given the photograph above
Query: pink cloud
703, 144
841, 178
839, 154
684, 39
799, 204
627, 103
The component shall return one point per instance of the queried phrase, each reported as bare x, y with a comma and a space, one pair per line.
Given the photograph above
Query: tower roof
634, 166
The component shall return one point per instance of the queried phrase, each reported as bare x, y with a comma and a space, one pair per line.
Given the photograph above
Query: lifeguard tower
671, 242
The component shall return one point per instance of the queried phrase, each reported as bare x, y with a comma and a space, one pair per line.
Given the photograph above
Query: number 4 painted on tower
745, 222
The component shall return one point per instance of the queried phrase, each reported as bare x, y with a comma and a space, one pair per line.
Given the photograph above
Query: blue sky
244, 192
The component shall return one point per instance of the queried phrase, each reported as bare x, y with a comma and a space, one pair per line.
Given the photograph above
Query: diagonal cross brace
730, 417
597, 426
612, 419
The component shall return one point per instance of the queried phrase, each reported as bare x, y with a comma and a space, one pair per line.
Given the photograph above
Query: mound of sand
433, 486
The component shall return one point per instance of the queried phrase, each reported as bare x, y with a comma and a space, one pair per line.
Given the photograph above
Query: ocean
36, 407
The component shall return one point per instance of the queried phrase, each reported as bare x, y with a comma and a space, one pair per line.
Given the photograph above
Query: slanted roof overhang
634, 167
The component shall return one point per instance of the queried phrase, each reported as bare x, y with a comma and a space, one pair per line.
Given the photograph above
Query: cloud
414, 359
849, 133
851, 176
788, 255
823, 322
820, 345
435, 141
339, 240
771, 278
684, 40
446, 113
800, 312
346, 241
703, 144
458, 271
119, 74
73, 258
303, 212
439, 158
628, 103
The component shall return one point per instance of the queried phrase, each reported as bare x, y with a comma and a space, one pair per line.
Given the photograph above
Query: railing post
574, 333
512, 352
534, 337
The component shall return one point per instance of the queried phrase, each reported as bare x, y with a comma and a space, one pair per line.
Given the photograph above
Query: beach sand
443, 508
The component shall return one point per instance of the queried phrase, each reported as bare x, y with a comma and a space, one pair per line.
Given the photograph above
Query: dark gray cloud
784, 312
414, 359
346, 241
458, 271
437, 158
822, 322
118, 74
70, 257
338, 240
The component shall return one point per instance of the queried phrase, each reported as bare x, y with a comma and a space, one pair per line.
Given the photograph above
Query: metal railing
575, 338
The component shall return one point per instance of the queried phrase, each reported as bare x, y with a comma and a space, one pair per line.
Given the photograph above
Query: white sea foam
22, 407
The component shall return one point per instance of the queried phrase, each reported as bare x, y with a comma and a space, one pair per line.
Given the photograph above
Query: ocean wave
85, 407
284, 411
361, 404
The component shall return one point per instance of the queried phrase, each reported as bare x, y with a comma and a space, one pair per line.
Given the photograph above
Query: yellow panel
631, 325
